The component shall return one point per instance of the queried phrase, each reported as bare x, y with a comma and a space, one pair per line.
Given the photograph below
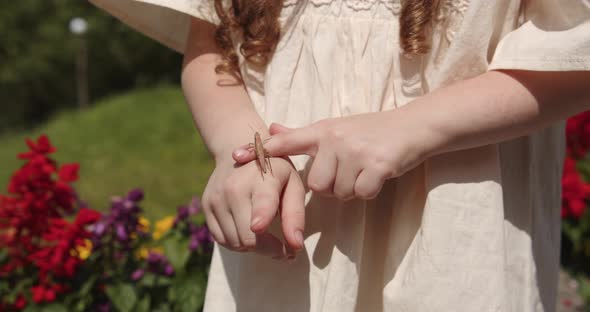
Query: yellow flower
84, 251
144, 224
162, 227
143, 252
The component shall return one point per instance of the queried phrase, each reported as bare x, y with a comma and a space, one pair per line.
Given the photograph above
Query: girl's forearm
497, 106
221, 107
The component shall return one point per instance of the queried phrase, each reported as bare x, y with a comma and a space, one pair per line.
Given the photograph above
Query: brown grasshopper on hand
262, 156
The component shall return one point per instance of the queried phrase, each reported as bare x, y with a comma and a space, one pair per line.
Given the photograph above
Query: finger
240, 205
322, 172
293, 142
265, 204
293, 212
346, 177
270, 246
226, 221
214, 227
243, 154
276, 128
368, 184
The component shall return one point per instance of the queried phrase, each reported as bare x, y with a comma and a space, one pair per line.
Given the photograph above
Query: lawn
144, 139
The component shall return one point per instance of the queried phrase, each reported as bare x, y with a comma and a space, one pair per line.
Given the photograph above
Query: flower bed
576, 195
60, 255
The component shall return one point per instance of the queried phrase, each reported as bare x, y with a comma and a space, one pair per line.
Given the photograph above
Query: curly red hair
256, 21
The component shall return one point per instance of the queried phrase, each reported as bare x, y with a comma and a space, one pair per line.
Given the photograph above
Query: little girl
416, 155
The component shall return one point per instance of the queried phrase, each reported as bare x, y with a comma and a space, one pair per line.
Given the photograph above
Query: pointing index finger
292, 142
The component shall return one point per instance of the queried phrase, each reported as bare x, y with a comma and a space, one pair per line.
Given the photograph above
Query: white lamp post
78, 27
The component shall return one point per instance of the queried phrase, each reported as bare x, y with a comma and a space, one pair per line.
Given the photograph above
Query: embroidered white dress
473, 230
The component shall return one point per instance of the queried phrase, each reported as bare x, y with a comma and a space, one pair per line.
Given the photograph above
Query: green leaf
32, 308
176, 249
188, 291
3, 255
148, 280
164, 307
122, 296
143, 305
87, 286
54, 307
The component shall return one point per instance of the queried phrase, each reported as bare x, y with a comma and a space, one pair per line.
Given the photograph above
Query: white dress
473, 230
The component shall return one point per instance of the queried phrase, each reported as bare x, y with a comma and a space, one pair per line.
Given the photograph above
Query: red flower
578, 135
20, 303
574, 191
69, 173
38, 293
33, 230
43, 147
63, 237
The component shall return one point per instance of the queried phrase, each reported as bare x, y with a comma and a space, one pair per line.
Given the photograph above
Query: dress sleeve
166, 21
554, 37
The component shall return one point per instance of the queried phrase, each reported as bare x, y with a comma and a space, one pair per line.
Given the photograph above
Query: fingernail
240, 153
299, 237
290, 259
255, 222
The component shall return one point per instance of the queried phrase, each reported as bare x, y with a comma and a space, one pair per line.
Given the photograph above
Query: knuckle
318, 186
382, 168
213, 202
231, 187
335, 133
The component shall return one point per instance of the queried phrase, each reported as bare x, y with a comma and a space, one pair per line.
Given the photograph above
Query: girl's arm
236, 201
220, 105
354, 155
498, 106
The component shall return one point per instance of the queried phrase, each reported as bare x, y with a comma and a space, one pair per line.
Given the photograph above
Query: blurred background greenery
137, 131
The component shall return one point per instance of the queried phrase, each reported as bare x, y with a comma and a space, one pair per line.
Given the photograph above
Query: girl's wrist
425, 140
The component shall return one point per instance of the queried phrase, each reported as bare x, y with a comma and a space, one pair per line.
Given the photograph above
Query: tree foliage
38, 58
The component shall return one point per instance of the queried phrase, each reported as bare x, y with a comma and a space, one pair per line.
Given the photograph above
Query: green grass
143, 139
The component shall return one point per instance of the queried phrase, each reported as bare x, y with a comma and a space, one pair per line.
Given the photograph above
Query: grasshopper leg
267, 160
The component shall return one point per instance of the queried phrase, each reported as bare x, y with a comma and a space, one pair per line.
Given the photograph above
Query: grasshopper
262, 156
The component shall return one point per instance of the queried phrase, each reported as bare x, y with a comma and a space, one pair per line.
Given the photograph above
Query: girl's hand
239, 205
352, 156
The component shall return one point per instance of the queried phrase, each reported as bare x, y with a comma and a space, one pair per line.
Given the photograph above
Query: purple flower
154, 258
183, 213
103, 307
168, 270
135, 195
122, 232
194, 243
200, 236
128, 205
138, 274
100, 228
